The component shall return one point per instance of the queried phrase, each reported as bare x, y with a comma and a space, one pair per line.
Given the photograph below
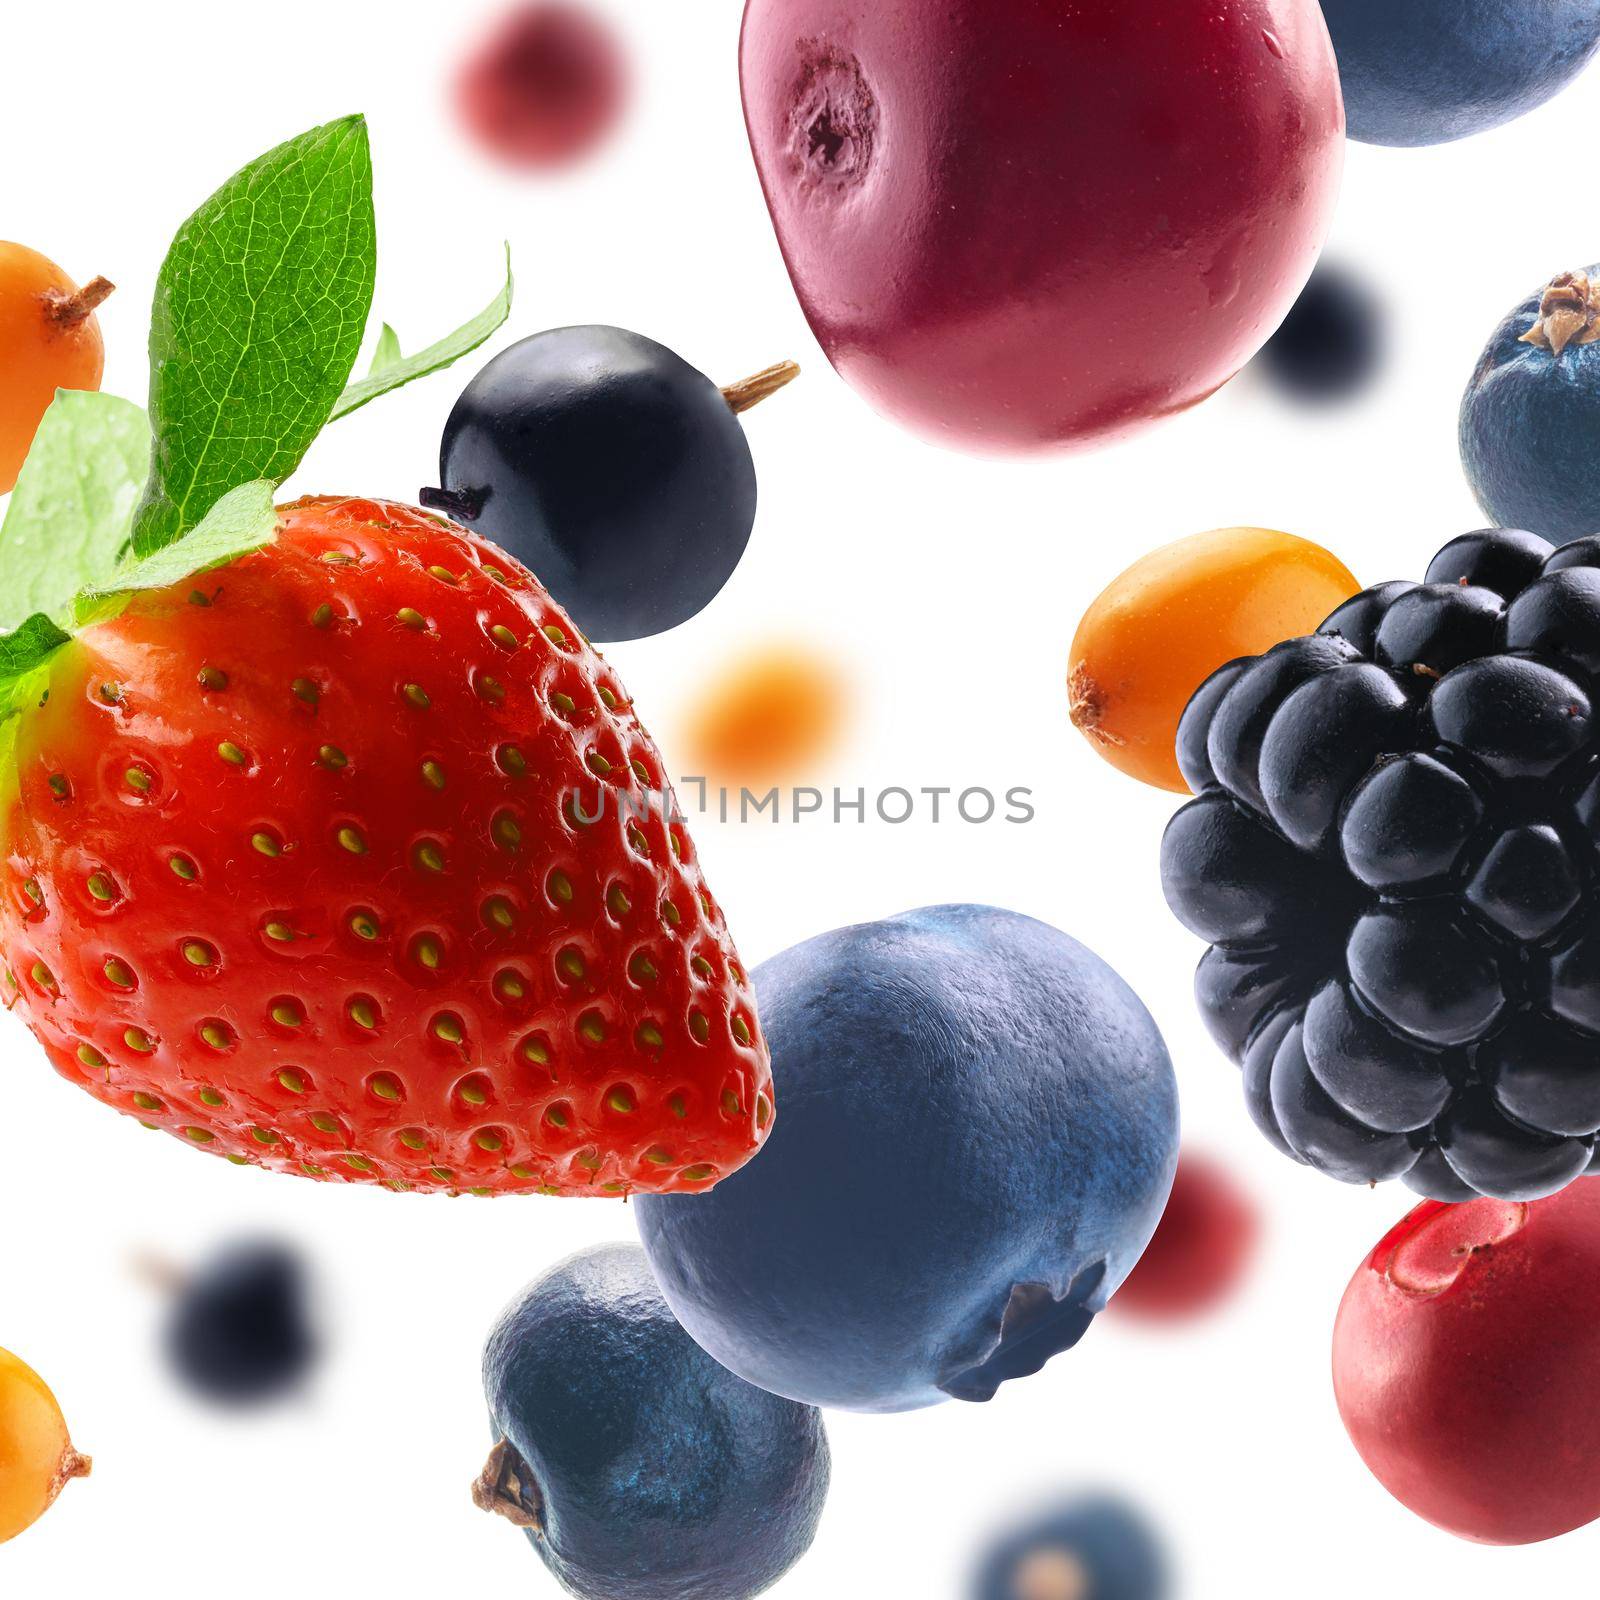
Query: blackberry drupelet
1394, 852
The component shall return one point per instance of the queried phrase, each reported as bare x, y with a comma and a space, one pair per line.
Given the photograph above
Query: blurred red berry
1200, 1250
545, 86
1466, 1364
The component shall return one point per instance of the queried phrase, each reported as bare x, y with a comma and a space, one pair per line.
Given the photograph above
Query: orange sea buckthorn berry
37, 1460
49, 340
769, 717
1173, 618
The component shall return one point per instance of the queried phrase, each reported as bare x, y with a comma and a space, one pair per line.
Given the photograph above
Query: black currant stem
70, 310
741, 397
464, 505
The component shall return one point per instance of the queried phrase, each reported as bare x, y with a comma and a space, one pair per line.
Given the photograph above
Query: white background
952, 587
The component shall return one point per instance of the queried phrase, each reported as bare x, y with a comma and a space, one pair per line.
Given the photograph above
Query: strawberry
351, 859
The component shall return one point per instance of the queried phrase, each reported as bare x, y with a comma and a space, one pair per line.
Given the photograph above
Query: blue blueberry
978, 1134
241, 1331
1095, 1548
609, 467
1331, 344
1421, 72
1532, 412
639, 1468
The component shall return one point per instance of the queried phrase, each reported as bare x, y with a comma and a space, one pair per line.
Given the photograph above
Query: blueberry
610, 468
1438, 626
978, 1136
1357, 621
1323, 740
1505, 560
1331, 344
639, 1468
240, 1331
1559, 617
1383, 1080
1422, 969
1094, 1548
1408, 824
1520, 718
1532, 411
1420, 72
1321, 1134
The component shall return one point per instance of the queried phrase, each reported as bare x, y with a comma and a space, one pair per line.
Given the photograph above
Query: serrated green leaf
435, 358
243, 520
72, 508
23, 653
260, 310
387, 354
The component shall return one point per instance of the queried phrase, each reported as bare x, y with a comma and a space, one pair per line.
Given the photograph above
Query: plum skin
979, 1135
1018, 226
1466, 1362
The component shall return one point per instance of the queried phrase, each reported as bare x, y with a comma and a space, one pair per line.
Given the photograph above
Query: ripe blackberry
1394, 852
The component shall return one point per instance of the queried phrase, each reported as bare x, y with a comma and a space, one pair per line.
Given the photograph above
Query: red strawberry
299, 870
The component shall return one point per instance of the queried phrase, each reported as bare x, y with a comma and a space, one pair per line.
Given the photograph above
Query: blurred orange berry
770, 717
1172, 619
37, 1460
49, 340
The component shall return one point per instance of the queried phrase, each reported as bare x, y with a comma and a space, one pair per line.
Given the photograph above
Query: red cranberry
545, 86
1201, 1248
1466, 1363
1018, 226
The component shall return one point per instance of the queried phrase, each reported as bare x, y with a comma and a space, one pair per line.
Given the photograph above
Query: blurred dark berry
1331, 344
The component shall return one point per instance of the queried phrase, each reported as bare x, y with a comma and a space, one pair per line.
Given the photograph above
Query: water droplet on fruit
1273, 43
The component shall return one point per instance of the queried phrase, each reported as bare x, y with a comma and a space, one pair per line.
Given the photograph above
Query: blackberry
1394, 853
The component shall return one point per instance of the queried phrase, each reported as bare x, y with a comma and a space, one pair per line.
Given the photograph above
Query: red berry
1201, 1246
1023, 226
545, 86
1466, 1362
352, 859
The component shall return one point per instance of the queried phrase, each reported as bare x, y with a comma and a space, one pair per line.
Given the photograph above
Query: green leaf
260, 310
395, 370
71, 510
23, 652
243, 520
387, 354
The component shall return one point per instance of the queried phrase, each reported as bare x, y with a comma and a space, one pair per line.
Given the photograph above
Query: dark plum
1399, 874
612, 469
240, 1331
1331, 344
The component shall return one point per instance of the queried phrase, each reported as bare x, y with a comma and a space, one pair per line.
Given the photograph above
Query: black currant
1331, 344
612, 469
240, 1331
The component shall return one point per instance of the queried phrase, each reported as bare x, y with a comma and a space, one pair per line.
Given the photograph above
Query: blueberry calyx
505, 1488
750, 392
1034, 1327
461, 505
1569, 314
